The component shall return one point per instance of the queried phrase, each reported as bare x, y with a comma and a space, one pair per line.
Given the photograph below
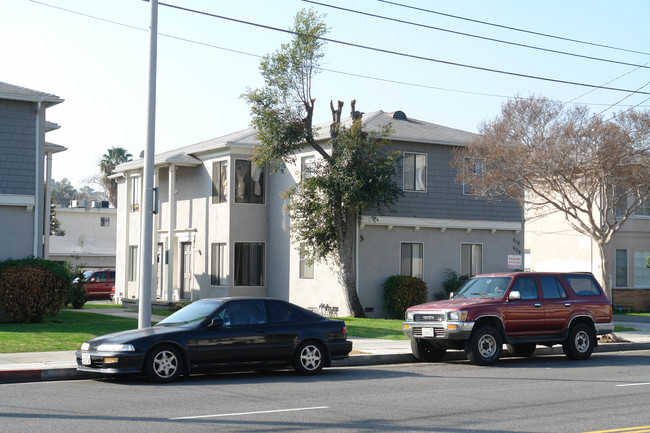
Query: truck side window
552, 288
527, 287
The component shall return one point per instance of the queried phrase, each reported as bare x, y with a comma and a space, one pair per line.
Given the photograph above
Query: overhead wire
398, 53
485, 38
322, 69
547, 35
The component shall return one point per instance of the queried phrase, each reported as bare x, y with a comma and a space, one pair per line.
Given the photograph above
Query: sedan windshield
484, 287
193, 314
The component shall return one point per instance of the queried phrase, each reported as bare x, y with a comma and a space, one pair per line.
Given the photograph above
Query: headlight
85, 346
457, 316
409, 316
115, 348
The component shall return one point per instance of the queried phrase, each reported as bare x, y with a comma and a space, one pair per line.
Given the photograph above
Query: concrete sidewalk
42, 366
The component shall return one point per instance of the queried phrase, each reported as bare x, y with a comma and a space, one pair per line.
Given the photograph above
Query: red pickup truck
520, 309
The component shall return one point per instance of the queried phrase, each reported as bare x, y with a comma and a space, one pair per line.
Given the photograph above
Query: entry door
187, 270
160, 264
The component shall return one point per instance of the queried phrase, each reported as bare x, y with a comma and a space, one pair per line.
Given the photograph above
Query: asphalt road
543, 394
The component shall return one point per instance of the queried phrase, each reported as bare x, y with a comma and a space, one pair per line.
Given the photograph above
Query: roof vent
399, 115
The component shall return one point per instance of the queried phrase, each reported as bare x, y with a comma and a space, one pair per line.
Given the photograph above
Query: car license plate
427, 332
85, 358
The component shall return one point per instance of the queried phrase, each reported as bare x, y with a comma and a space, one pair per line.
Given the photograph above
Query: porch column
172, 226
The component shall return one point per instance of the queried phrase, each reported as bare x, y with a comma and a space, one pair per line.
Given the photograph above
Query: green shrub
76, 296
32, 288
451, 283
401, 292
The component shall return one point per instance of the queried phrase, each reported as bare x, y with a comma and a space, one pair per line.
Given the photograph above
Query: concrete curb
71, 373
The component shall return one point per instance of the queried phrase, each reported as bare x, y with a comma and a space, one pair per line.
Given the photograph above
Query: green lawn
388, 329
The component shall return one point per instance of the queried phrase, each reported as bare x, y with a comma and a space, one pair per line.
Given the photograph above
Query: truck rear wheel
484, 346
425, 351
580, 343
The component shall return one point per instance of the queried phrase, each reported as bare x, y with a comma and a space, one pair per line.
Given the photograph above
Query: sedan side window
527, 287
280, 313
243, 313
552, 288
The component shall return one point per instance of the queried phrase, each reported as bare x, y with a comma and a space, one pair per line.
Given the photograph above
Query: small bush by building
401, 292
32, 288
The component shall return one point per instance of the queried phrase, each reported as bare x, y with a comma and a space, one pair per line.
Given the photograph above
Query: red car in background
99, 284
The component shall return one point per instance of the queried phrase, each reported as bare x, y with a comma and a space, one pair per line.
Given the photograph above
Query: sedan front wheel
163, 364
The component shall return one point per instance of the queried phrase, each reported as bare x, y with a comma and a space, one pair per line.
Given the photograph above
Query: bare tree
545, 155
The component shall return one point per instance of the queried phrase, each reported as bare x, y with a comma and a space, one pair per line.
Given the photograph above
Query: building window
474, 168
415, 171
219, 181
218, 265
132, 270
249, 182
471, 259
644, 209
249, 264
136, 193
641, 273
105, 222
306, 263
307, 167
411, 263
621, 268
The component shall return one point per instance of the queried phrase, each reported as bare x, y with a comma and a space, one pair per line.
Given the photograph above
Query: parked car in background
98, 284
521, 309
214, 334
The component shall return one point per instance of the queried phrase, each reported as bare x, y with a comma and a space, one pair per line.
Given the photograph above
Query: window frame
414, 263
248, 196
618, 279
220, 182
218, 264
132, 269
239, 274
306, 270
135, 193
471, 265
467, 189
413, 183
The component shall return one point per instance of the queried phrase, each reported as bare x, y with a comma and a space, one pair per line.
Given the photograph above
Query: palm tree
113, 157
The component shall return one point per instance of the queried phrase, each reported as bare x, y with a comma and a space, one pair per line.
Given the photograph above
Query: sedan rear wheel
309, 358
163, 364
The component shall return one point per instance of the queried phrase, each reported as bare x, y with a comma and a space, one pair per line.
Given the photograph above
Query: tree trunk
347, 238
603, 269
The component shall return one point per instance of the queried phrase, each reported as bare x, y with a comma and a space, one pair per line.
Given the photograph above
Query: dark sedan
213, 334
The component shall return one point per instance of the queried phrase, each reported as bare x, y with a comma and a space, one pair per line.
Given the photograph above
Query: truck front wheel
484, 346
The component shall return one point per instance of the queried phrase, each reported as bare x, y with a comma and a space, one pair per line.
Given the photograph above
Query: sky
94, 54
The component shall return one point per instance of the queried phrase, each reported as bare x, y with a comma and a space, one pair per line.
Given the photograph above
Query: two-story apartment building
25, 167
89, 240
223, 230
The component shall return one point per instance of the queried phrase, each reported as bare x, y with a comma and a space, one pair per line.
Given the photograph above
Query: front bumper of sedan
109, 362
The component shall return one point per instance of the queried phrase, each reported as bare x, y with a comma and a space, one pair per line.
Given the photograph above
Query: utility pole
146, 235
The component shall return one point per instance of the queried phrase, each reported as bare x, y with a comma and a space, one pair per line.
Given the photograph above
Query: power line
400, 54
404, 83
501, 41
514, 28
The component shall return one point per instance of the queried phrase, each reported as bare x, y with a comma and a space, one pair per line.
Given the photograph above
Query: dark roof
17, 93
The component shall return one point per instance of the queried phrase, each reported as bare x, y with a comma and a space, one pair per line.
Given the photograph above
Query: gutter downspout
37, 164
172, 224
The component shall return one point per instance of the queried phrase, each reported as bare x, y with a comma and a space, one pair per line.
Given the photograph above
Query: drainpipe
37, 195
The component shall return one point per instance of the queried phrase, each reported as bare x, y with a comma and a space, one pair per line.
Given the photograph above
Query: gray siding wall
17, 152
444, 198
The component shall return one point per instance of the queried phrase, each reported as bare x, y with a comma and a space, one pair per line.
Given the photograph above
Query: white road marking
634, 384
248, 413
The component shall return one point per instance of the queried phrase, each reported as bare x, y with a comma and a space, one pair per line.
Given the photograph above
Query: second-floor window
307, 166
219, 181
306, 265
415, 171
136, 193
644, 209
249, 182
475, 168
105, 222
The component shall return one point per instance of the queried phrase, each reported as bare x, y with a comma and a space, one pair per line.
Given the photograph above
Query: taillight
344, 331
